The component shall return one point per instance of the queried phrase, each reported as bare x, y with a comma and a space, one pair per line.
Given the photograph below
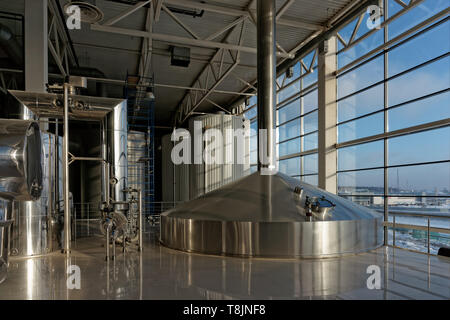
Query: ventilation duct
89, 12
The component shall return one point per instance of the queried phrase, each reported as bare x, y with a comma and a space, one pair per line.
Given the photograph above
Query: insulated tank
20, 160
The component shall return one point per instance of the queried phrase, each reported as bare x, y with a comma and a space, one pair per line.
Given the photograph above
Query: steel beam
179, 22
284, 7
181, 40
126, 13
190, 102
237, 13
226, 28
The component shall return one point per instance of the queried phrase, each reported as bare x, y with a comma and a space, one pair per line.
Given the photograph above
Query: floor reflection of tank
240, 278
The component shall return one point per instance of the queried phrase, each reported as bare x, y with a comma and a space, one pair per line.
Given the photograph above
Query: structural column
266, 16
36, 45
327, 92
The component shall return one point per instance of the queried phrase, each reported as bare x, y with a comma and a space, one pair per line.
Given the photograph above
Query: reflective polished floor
162, 273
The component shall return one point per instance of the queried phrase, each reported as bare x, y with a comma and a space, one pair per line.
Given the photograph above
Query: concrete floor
162, 273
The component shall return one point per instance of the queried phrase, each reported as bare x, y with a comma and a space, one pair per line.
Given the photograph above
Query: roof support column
266, 52
327, 92
36, 45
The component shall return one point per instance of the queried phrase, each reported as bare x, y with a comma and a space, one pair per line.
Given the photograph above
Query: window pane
280, 79
253, 128
310, 122
429, 179
310, 101
253, 100
250, 114
362, 77
287, 92
310, 78
290, 167
426, 110
367, 182
414, 204
289, 147
370, 201
254, 156
253, 142
310, 141
422, 48
347, 30
367, 155
289, 130
433, 145
310, 164
288, 112
361, 128
415, 16
420, 82
313, 179
360, 48
362, 103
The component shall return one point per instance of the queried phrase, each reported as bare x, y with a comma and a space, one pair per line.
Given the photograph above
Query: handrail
414, 214
427, 228
416, 227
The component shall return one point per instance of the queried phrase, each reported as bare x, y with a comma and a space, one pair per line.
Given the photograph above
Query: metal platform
51, 105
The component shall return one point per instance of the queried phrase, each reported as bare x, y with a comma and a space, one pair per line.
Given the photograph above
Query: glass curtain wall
393, 119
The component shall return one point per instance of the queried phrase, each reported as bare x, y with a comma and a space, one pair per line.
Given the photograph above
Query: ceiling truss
219, 66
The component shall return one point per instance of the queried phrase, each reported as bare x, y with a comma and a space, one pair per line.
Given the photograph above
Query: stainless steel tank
116, 145
20, 160
271, 216
36, 227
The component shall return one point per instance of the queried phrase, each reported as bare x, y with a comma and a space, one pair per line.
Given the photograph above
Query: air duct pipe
266, 84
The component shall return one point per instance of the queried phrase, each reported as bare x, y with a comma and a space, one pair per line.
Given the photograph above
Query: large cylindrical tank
36, 227
116, 142
20, 160
34, 230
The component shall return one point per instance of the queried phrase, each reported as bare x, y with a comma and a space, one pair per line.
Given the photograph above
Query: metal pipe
107, 184
182, 40
266, 14
67, 231
140, 220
